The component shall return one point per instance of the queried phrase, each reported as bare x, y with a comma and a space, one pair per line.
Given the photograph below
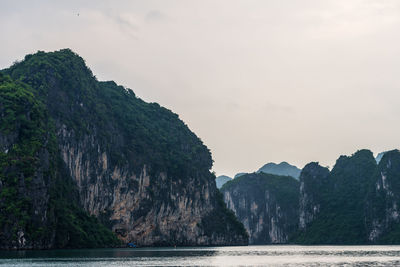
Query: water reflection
210, 256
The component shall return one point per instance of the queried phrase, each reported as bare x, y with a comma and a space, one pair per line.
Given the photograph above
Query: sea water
210, 256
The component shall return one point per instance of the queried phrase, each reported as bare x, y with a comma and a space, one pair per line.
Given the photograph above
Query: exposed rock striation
383, 201
266, 204
313, 180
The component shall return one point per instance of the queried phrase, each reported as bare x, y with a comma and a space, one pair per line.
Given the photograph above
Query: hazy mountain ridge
282, 168
221, 180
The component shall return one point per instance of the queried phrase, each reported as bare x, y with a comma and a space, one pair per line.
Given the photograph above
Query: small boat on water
131, 245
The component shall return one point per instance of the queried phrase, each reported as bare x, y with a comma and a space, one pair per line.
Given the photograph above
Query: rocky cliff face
313, 179
142, 207
357, 202
139, 207
38, 201
383, 201
340, 202
134, 166
266, 204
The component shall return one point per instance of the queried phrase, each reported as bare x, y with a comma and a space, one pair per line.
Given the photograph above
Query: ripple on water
210, 256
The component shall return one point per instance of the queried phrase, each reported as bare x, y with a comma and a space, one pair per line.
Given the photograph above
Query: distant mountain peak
282, 168
221, 180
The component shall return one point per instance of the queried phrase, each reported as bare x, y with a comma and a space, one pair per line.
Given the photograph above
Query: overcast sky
257, 81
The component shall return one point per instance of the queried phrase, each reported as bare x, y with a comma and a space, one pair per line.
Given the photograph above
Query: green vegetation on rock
223, 221
266, 204
63, 133
29, 177
80, 102
357, 202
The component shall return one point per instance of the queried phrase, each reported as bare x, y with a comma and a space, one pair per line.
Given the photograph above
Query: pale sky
257, 81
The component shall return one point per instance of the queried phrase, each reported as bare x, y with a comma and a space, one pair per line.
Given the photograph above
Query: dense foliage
223, 221
151, 134
30, 179
354, 200
22, 133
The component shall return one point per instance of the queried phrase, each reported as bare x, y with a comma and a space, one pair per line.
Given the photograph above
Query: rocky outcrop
339, 202
313, 180
355, 203
132, 165
140, 207
383, 201
266, 204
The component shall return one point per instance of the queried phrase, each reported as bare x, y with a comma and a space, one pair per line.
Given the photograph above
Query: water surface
210, 256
